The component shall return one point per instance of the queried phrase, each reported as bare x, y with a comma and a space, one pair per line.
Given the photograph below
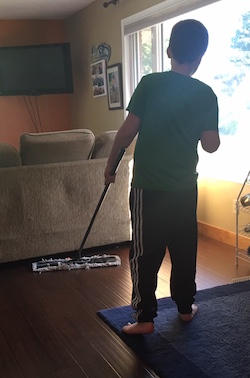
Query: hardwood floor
48, 322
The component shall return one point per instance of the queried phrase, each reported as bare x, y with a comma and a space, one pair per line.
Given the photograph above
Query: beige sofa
49, 191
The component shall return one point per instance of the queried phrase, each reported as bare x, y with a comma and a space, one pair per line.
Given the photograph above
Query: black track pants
160, 220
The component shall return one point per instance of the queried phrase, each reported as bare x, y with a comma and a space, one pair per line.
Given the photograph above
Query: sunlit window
226, 68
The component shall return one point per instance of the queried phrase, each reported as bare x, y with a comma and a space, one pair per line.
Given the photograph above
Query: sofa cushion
103, 144
9, 156
56, 146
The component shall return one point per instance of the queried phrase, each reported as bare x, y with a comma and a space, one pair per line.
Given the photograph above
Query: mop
82, 262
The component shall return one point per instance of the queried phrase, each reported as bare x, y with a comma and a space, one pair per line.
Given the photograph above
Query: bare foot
189, 317
138, 328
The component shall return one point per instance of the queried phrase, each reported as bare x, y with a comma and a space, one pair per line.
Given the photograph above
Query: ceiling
40, 9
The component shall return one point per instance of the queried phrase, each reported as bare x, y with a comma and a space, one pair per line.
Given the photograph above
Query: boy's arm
123, 139
210, 140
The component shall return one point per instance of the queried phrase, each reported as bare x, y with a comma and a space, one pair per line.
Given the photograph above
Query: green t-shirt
174, 110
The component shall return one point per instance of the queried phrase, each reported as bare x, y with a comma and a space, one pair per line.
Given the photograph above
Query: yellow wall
92, 26
215, 205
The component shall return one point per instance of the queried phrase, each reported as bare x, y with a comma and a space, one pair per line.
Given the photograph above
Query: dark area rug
215, 344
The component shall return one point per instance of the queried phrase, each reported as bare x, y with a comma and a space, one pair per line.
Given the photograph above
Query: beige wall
54, 109
92, 26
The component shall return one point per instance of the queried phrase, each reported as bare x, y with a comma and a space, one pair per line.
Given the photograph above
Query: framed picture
98, 76
114, 84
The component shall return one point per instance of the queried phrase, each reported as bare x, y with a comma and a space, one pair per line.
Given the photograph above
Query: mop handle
116, 166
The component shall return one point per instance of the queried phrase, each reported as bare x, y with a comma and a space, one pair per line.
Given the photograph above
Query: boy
171, 112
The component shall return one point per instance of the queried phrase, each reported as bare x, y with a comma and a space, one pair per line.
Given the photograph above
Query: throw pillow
56, 147
103, 144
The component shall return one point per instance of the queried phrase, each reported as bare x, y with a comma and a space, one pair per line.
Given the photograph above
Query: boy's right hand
109, 177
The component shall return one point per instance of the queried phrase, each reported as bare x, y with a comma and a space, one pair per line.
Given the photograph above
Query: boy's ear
169, 53
198, 61
199, 58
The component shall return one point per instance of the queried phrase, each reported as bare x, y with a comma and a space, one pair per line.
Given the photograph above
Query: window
225, 67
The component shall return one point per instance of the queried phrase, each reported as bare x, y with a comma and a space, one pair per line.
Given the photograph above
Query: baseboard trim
223, 236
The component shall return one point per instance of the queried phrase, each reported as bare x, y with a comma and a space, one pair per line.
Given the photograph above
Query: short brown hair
188, 41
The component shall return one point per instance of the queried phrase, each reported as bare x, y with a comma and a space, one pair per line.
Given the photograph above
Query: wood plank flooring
48, 322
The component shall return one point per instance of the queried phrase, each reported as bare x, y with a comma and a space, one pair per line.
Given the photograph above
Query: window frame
157, 14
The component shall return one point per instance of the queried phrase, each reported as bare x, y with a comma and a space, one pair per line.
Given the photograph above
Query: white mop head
85, 262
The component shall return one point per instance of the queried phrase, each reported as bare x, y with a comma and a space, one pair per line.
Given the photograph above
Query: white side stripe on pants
138, 244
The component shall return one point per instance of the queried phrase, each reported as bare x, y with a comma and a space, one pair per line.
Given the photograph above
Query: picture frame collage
107, 81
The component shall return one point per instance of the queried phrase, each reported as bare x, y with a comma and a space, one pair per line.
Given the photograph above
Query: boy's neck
187, 69
183, 69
